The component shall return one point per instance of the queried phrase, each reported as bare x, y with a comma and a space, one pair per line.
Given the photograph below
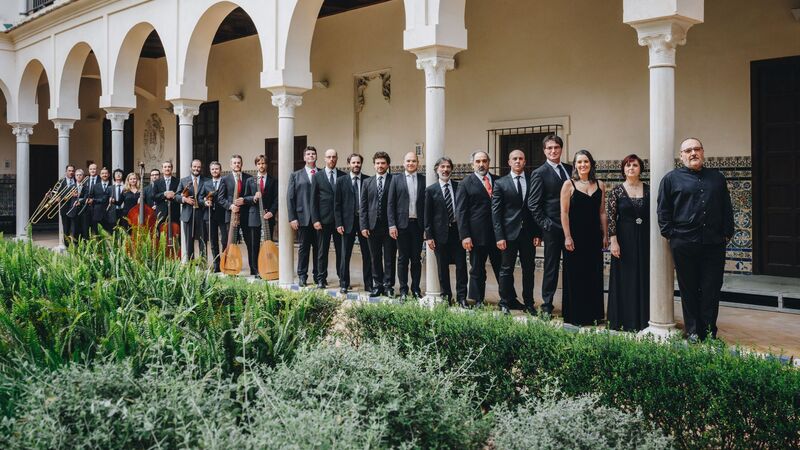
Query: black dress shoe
505, 310
343, 290
376, 293
530, 309
390, 292
417, 294
516, 305
257, 276
403, 293
478, 304
463, 304
302, 281
321, 286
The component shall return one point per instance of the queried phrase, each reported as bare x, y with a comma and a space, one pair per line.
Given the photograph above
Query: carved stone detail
117, 120
362, 82
153, 140
286, 104
22, 131
63, 126
435, 68
186, 113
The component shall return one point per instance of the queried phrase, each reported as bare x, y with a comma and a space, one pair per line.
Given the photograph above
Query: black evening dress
629, 283
582, 302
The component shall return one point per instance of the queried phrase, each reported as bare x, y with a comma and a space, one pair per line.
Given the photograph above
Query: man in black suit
300, 203
265, 189
166, 205
92, 178
406, 217
346, 214
516, 233
100, 198
474, 217
544, 202
76, 211
441, 231
230, 196
322, 216
117, 186
149, 198
215, 224
375, 225
66, 187
192, 207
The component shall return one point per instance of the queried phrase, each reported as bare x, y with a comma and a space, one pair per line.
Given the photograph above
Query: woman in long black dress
130, 196
583, 216
629, 231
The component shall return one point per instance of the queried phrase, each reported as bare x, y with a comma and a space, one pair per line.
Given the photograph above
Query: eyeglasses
692, 149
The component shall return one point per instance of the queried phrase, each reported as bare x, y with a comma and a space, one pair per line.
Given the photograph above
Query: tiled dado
738, 171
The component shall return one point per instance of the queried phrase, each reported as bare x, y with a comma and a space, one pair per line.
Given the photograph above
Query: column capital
662, 37
286, 103
436, 61
117, 116
22, 131
63, 126
186, 110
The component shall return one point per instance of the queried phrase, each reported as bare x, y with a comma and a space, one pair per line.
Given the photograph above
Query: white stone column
117, 116
661, 36
286, 104
23, 132
435, 62
63, 126
186, 110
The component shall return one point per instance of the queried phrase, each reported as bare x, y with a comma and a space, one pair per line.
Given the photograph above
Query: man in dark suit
76, 211
474, 217
544, 202
192, 207
117, 186
300, 203
322, 216
230, 196
265, 189
441, 231
66, 187
149, 198
406, 217
92, 178
164, 190
100, 198
375, 225
346, 214
516, 233
216, 222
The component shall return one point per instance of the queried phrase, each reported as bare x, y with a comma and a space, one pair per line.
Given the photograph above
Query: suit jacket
510, 215
544, 196
227, 187
346, 204
162, 209
399, 196
371, 215
269, 200
100, 198
83, 194
300, 197
61, 187
323, 197
148, 196
437, 221
186, 210
474, 211
216, 210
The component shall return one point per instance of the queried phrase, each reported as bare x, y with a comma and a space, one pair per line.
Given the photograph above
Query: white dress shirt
411, 182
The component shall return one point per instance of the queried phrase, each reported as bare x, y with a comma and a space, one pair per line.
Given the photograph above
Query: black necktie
216, 184
562, 173
330, 176
448, 199
519, 188
380, 192
355, 193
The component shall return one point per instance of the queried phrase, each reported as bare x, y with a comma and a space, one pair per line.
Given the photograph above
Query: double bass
143, 215
171, 230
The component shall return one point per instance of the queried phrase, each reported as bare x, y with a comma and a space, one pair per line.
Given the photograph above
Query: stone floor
765, 331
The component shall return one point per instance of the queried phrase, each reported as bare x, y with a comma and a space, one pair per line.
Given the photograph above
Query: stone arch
66, 102
27, 102
294, 58
121, 86
193, 73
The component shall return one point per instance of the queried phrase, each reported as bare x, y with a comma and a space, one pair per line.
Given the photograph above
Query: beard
481, 172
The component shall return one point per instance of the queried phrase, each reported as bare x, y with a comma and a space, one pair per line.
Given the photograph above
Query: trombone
52, 201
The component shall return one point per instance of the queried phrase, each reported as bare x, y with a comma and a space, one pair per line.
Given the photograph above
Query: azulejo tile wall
738, 171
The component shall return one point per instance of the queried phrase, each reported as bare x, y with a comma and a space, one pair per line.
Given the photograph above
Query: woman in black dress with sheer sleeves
583, 216
629, 231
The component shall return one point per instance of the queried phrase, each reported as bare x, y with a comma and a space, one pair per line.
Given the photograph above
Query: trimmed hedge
702, 395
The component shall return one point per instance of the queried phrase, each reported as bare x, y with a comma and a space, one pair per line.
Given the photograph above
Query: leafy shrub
554, 423
326, 398
701, 395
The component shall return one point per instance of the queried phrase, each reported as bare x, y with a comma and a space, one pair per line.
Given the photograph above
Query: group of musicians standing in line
499, 219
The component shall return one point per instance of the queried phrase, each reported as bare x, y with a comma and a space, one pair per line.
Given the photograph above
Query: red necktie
313, 171
487, 185
261, 183
239, 184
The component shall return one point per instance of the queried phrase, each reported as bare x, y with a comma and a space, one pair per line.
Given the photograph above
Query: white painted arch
27, 104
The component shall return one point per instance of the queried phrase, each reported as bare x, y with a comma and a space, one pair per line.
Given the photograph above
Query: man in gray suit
406, 222
375, 225
192, 207
544, 202
300, 203
322, 215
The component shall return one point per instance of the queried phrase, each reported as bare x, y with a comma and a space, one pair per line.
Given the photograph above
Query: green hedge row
101, 300
702, 395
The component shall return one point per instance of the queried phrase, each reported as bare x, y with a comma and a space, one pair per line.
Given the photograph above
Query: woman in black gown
629, 231
130, 196
583, 216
